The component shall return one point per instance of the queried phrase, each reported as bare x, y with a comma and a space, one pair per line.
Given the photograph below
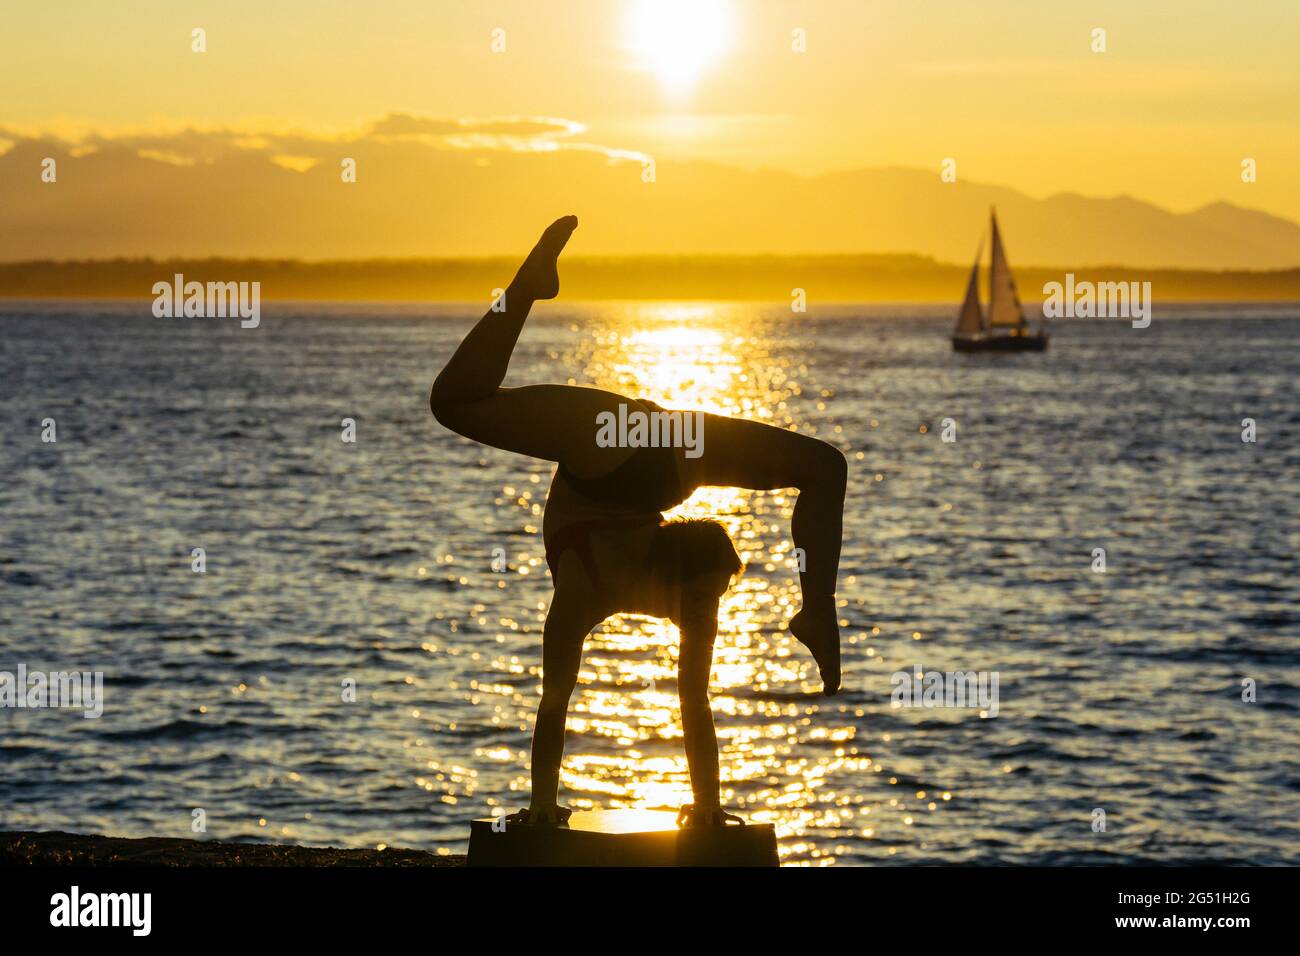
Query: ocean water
370, 564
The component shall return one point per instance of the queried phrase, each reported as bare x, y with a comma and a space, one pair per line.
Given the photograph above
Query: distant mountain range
206, 194
917, 213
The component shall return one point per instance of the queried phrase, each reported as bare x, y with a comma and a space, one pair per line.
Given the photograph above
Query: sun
679, 40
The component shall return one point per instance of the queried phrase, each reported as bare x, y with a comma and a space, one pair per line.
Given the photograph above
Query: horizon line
580, 260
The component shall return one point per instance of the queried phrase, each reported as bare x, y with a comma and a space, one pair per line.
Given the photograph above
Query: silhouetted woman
607, 544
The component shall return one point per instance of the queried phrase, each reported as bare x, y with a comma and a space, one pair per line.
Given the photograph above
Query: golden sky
1010, 89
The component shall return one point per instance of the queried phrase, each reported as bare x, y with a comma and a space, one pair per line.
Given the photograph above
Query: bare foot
539, 277
542, 816
693, 815
818, 629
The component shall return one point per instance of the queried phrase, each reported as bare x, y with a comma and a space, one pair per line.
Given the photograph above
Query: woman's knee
448, 407
821, 463
440, 401
453, 389
836, 465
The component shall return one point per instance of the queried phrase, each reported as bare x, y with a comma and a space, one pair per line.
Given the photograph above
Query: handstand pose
607, 544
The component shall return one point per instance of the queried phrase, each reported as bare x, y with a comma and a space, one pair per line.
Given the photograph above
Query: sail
1004, 303
971, 319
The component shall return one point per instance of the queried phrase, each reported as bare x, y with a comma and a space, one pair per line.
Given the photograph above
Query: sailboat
1003, 328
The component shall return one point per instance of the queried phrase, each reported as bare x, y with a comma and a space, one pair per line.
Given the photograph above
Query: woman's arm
699, 627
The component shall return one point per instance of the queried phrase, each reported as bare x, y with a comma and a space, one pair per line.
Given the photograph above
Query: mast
970, 321
1004, 301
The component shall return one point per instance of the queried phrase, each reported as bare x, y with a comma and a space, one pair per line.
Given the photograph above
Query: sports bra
647, 481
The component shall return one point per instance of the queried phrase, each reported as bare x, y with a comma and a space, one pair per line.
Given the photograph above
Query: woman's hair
686, 548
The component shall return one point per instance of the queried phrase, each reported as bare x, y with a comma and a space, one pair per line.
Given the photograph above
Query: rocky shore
55, 848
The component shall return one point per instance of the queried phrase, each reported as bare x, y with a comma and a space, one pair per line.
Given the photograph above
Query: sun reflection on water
625, 731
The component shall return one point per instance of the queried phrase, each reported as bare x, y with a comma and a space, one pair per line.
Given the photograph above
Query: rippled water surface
371, 562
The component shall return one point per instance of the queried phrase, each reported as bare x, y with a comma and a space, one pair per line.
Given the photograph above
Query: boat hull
1001, 343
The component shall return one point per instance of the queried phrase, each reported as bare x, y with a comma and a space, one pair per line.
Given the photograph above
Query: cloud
299, 164
427, 186
403, 125
424, 185
162, 156
298, 149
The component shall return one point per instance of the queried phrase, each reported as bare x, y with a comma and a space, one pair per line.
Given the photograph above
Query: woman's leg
552, 422
745, 454
478, 367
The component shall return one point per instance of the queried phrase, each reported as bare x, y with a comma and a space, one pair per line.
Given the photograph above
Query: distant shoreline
56, 848
824, 279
